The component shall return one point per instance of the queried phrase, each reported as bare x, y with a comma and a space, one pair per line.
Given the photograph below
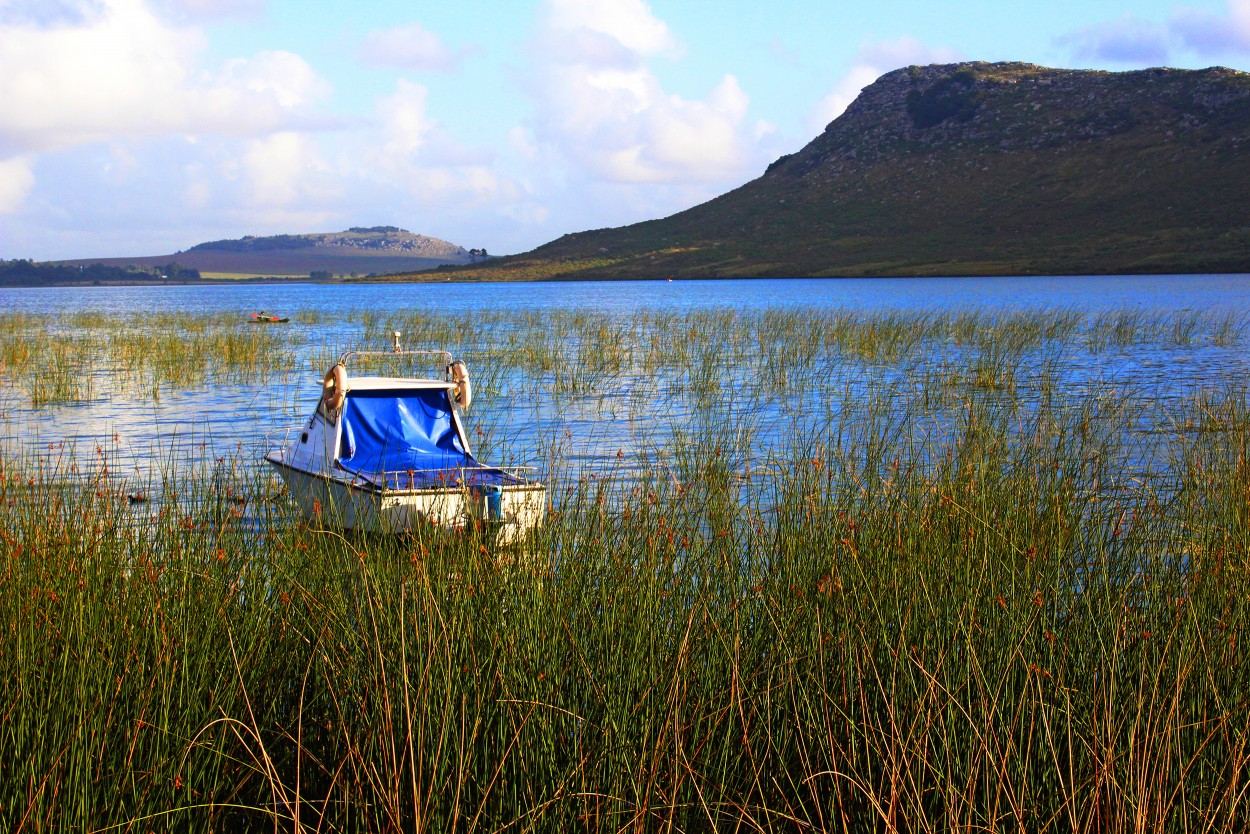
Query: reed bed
917, 598
76, 358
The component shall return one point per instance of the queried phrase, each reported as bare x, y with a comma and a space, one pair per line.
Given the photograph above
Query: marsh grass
82, 356
65, 374
905, 601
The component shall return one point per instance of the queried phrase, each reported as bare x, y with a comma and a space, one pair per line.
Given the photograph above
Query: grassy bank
963, 582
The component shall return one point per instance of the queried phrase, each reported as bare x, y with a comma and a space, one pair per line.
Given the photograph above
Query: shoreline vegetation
895, 572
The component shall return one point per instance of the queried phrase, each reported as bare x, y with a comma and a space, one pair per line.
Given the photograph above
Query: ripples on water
578, 379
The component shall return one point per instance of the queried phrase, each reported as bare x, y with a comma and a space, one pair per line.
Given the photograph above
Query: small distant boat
386, 454
267, 318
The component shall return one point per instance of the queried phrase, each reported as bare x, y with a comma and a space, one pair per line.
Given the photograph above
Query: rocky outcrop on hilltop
388, 239
1015, 106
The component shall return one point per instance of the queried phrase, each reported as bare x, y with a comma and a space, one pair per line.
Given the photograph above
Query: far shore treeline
24, 273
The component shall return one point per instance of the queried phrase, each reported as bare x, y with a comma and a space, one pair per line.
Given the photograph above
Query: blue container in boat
494, 501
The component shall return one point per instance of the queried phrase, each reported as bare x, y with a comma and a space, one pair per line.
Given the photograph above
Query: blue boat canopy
406, 439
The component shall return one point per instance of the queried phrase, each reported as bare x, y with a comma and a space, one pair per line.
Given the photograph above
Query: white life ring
463, 392
334, 388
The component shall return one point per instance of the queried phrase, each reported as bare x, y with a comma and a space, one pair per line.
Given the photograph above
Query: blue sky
132, 127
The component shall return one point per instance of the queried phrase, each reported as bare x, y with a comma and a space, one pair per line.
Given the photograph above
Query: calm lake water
1168, 292
243, 420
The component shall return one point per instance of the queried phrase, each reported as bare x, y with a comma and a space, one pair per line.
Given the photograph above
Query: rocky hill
968, 169
356, 252
391, 239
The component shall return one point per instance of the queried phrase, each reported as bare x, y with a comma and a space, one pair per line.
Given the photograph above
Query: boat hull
341, 503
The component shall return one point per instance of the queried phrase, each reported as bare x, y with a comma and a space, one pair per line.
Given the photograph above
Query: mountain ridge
966, 169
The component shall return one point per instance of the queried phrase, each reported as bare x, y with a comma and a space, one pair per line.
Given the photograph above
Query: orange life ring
334, 388
463, 392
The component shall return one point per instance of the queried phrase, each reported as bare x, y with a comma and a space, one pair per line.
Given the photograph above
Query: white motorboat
386, 454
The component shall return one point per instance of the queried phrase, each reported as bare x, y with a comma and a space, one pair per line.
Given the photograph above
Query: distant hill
358, 252
967, 169
356, 240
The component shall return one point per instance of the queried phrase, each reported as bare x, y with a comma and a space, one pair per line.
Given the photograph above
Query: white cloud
281, 219
119, 71
1131, 40
281, 78
403, 118
16, 181
198, 192
871, 62
604, 110
105, 103
41, 12
1214, 34
522, 142
411, 46
208, 9
527, 214
629, 22
699, 138
1126, 40
114, 73
411, 153
73, 82
283, 169
121, 164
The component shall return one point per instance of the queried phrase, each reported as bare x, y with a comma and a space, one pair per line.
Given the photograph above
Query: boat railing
395, 350
450, 477
519, 471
